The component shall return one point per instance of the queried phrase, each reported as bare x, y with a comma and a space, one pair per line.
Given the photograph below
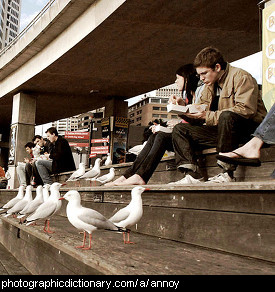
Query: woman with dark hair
148, 159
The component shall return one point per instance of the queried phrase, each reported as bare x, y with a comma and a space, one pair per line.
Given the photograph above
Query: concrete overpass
81, 55
117, 48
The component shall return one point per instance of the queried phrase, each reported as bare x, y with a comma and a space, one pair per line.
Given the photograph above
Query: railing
24, 31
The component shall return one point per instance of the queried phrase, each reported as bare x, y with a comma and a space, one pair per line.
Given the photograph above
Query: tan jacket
239, 94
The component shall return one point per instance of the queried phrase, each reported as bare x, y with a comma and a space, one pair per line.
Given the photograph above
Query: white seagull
85, 219
20, 205
48, 208
34, 204
45, 191
78, 173
94, 172
132, 213
108, 161
14, 200
106, 177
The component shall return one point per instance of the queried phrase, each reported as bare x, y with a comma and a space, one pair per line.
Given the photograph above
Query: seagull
48, 208
14, 200
78, 173
108, 161
132, 213
20, 205
34, 204
45, 192
107, 177
85, 219
94, 172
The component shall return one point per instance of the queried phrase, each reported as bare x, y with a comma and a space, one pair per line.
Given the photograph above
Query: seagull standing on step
94, 172
45, 192
34, 204
20, 205
14, 200
108, 161
48, 208
132, 213
78, 173
85, 219
107, 177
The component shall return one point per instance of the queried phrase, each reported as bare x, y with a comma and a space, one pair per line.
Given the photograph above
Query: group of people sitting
234, 111
46, 157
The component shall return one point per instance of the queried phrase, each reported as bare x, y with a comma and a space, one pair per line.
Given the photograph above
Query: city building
10, 11
151, 108
68, 124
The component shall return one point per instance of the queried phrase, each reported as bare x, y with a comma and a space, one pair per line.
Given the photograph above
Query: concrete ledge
42, 254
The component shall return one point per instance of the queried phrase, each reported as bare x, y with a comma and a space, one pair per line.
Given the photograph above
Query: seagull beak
147, 189
61, 198
63, 185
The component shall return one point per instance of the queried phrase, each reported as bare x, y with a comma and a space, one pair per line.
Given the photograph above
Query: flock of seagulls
93, 175
48, 201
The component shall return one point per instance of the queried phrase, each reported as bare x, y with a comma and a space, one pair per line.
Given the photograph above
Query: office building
10, 11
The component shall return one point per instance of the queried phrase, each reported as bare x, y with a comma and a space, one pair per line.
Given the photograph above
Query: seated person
249, 154
3, 179
60, 158
42, 146
24, 169
151, 154
234, 110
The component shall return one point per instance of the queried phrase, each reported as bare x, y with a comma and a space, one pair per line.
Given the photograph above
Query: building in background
10, 11
68, 124
151, 108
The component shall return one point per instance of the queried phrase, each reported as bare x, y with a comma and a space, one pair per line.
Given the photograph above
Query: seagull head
71, 195
39, 188
46, 186
137, 191
81, 165
29, 188
55, 186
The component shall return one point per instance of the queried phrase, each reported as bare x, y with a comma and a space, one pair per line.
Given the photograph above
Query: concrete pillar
22, 131
116, 107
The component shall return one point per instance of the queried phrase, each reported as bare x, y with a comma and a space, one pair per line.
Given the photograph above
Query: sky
252, 64
29, 9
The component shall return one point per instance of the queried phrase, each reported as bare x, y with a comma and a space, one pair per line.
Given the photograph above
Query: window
156, 108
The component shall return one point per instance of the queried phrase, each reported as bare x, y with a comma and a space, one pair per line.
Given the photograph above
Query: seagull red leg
48, 227
84, 239
128, 235
90, 242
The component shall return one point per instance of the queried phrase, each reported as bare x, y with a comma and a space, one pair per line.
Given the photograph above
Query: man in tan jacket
234, 109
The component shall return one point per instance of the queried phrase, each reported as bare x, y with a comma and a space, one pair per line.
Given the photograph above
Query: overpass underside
83, 53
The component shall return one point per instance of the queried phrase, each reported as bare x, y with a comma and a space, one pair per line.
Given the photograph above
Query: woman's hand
176, 100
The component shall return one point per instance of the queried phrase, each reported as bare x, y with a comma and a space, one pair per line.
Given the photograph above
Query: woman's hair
209, 57
188, 72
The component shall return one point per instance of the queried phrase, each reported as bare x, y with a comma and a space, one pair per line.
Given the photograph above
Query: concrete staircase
195, 229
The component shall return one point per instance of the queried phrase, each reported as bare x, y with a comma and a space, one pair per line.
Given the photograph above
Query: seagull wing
92, 217
43, 211
120, 215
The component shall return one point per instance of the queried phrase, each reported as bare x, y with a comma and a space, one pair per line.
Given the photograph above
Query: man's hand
200, 115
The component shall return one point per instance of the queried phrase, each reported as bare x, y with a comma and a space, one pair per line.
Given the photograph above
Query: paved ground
9, 265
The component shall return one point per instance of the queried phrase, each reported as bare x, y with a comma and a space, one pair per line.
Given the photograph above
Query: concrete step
238, 218
9, 265
167, 172
56, 254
